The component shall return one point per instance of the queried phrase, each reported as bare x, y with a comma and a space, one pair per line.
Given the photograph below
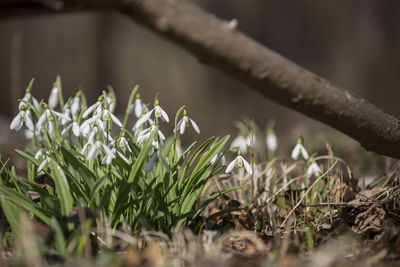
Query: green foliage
145, 184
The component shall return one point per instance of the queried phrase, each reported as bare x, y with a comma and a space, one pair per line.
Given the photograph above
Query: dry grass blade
306, 193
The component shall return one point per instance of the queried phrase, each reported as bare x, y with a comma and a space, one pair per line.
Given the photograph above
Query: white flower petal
66, 129
108, 151
41, 120
183, 125
43, 164
16, 122
116, 120
195, 127
75, 129
90, 110
231, 165
247, 166
296, 152
138, 107
141, 120
84, 148
53, 98
162, 137
28, 121
62, 116
304, 153
35, 102
92, 152
272, 142
164, 115
214, 159
123, 157
241, 142
75, 105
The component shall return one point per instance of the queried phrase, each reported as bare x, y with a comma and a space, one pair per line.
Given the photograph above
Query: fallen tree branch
216, 43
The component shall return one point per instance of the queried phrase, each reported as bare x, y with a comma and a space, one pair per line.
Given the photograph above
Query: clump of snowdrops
125, 171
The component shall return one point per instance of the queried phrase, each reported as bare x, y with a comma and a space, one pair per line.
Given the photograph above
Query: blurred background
354, 44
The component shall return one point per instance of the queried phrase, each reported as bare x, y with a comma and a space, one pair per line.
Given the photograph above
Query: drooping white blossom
299, 149
214, 159
123, 144
239, 162
97, 148
143, 135
242, 143
98, 106
138, 106
23, 116
313, 169
28, 99
53, 97
272, 142
184, 122
158, 112
48, 116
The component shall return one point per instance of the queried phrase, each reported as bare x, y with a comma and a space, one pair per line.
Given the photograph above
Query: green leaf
214, 150
140, 161
99, 184
59, 238
29, 157
62, 188
79, 166
24, 202
11, 212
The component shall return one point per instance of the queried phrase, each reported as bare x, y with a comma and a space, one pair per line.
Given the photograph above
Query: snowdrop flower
23, 116
272, 141
48, 116
299, 148
66, 113
75, 129
154, 157
123, 143
108, 116
313, 169
214, 159
40, 154
108, 158
184, 122
143, 135
96, 148
53, 97
242, 142
85, 147
142, 120
28, 98
44, 156
98, 106
138, 106
76, 104
88, 125
239, 162
109, 101
158, 111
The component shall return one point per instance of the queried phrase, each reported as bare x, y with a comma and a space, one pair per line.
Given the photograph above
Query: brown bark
217, 44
